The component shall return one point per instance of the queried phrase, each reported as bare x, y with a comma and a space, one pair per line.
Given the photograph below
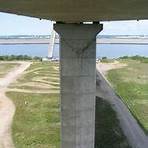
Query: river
103, 50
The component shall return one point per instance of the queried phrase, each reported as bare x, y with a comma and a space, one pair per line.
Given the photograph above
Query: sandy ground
34, 91
129, 125
7, 108
105, 67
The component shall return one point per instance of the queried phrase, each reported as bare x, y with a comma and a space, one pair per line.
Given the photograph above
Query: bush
104, 58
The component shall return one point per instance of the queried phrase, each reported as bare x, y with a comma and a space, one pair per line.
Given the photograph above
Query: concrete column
78, 83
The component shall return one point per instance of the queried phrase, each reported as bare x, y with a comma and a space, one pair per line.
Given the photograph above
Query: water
40, 50
118, 50
108, 50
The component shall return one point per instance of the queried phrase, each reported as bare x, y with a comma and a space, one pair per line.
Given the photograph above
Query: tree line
18, 57
136, 57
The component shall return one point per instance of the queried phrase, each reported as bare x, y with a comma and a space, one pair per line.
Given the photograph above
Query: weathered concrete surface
78, 77
78, 10
129, 125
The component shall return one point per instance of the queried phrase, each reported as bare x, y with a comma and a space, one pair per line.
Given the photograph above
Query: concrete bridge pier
78, 83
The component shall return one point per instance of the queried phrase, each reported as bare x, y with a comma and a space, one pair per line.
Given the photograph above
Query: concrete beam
78, 83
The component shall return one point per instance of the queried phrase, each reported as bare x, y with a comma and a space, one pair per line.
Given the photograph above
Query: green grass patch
131, 83
37, 120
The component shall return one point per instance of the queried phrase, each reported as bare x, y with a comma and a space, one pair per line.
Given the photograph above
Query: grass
108, 131
6, 67
131, 83
37, 119
41, 69
36, 122
39, 73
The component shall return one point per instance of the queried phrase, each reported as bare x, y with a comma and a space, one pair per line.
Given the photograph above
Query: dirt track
7, 108
105, 67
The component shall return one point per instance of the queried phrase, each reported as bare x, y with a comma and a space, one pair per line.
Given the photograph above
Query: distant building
45, 59
50, 59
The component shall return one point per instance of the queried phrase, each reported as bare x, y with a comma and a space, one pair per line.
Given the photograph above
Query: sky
11, 24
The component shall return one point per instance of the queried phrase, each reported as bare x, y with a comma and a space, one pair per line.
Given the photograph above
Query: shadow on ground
108, 132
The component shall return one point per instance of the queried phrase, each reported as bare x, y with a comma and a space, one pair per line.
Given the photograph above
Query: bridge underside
78, 10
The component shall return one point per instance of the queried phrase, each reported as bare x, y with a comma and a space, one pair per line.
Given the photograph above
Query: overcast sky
11, 24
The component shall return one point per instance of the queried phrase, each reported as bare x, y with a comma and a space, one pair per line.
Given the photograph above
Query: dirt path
105, 67
34, 91
7, 108
129, 125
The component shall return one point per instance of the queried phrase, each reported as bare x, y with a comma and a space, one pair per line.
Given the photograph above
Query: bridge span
98, 41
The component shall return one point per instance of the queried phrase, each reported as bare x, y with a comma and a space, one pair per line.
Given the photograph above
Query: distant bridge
99, 41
